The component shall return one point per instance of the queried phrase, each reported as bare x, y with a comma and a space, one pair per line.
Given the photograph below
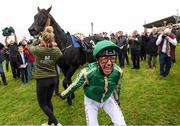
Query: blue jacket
19, 59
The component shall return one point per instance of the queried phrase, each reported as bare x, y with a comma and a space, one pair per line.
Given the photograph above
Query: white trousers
110, 106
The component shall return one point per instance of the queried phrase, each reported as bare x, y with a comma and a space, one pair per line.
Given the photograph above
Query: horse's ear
49, 9
38, 9
68, 33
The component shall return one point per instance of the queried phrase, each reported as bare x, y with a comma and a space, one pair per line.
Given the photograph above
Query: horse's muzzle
32, 31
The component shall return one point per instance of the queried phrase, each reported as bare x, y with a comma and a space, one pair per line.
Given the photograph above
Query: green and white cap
105, 48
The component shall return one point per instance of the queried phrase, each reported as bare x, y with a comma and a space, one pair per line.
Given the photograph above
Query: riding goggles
105, 59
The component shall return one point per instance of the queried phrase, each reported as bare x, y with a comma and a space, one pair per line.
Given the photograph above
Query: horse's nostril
32, 32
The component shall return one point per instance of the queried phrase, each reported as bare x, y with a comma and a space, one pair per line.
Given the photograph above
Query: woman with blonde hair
45, 74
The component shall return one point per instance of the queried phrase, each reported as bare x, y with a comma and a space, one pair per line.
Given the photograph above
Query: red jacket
31, 58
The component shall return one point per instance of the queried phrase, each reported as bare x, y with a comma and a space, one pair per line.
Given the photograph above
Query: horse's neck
60, 35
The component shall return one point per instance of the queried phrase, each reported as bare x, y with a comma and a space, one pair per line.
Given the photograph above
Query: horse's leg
67, 81
57, 84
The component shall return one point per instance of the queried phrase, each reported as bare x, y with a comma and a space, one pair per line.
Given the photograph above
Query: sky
76, 15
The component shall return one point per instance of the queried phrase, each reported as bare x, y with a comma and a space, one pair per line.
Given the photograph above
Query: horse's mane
60, 35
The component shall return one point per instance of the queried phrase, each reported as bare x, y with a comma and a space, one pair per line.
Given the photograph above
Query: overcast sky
77, 15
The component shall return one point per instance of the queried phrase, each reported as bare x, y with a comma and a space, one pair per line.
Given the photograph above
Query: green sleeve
35, 42
32, 49
33, 46
59, 53
80, 80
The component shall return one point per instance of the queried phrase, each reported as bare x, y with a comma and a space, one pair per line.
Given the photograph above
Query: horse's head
41, 19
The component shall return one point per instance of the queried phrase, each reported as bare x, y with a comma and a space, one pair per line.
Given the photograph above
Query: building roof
159, 23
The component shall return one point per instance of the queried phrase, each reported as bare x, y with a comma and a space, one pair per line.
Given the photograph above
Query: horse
72, 57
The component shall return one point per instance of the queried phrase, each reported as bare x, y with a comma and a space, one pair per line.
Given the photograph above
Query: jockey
100, 80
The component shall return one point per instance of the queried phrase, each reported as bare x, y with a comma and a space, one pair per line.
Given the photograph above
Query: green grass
146, 99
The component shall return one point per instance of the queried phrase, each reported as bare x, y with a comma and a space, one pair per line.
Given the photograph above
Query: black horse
72, 57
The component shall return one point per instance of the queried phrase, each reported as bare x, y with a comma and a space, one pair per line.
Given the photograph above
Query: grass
146, 99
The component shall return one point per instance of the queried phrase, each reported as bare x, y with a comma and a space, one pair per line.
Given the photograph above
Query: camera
164, 36
8, 31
